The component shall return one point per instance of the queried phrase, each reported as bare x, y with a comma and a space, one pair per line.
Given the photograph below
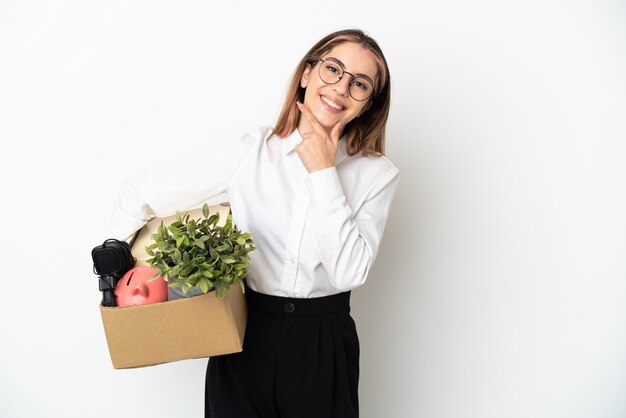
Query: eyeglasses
331, 72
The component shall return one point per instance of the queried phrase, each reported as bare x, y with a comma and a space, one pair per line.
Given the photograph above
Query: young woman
316, 190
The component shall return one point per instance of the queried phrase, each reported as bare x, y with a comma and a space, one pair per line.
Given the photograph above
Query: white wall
500, 287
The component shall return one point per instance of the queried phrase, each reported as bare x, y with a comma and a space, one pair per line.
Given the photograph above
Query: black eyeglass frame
343, 71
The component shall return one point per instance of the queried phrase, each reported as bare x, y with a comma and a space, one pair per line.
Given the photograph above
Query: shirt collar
289, 144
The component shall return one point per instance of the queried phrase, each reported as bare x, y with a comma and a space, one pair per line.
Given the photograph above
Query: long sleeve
347, 243
179, 184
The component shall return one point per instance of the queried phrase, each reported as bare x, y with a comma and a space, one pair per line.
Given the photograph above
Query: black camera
110, 261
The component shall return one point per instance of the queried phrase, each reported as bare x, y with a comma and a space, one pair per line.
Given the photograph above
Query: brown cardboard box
199, 326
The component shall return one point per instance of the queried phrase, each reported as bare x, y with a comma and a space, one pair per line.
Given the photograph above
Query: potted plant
196, 256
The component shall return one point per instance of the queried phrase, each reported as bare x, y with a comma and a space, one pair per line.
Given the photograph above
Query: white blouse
316, 234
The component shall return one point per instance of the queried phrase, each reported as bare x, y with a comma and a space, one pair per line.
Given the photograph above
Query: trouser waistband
298, 306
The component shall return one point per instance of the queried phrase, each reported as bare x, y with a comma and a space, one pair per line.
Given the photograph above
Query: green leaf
153, 278
204, 285
176, 284
205, 212
222, 248
174, 230
187, 270
229, 224
214, 219
228, 260
162, 231
176, 270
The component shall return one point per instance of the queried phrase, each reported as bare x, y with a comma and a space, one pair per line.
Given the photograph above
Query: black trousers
300, 359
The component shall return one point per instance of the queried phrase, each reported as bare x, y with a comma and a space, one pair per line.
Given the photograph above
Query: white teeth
332, 104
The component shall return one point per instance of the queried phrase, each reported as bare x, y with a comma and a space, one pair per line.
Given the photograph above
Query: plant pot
174, 293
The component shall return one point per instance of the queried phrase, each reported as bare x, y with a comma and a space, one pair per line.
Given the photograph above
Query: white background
499, 290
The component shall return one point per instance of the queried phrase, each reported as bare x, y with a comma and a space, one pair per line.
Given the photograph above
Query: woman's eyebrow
338, 61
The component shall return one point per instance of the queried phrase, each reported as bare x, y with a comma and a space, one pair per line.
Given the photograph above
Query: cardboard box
199, 326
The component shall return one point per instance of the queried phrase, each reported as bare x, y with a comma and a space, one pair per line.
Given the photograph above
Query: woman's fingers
317, 126
335, 133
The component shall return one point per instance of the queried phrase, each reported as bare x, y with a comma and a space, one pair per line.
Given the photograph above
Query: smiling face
332, 103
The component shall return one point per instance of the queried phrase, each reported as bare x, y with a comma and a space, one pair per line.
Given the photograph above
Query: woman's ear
304, 80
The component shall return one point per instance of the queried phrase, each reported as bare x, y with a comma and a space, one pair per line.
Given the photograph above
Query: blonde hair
365, 133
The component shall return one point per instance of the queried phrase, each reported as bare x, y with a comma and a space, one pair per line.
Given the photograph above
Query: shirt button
289, 307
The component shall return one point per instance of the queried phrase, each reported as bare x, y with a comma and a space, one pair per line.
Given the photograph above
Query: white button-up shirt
316, 234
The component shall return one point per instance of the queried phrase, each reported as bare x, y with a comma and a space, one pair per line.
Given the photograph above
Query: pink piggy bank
134, 288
